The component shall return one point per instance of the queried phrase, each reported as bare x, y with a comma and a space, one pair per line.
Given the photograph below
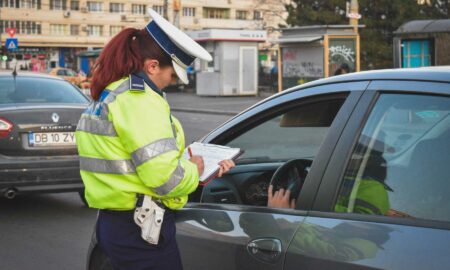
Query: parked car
70, 75
38, 117
366, 156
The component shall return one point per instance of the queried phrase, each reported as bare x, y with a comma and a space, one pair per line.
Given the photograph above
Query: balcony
203, 23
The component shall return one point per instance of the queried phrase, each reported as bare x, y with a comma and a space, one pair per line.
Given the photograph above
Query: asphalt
188, 101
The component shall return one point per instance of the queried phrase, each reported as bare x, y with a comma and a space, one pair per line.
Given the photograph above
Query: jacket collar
149, 82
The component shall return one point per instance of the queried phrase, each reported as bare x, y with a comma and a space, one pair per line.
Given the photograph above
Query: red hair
123, 55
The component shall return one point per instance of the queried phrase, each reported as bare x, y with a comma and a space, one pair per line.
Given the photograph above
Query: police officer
130, 145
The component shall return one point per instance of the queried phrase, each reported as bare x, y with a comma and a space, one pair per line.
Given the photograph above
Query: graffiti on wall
305, 62
341, 51
302, 69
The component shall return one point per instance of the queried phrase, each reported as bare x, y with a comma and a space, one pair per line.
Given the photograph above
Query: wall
442, 47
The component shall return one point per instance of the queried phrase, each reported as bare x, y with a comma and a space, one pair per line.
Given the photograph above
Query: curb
206, 111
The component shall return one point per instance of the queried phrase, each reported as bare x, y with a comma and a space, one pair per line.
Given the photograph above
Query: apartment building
52, 32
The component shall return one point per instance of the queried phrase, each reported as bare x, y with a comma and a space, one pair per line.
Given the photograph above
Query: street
53, 231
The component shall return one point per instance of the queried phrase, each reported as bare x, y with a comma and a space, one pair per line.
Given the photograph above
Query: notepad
212, 154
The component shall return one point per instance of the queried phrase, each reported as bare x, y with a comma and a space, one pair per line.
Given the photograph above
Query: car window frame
328, 192
351, 91
281, 109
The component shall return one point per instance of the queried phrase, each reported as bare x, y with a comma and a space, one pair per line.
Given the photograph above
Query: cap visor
181, 72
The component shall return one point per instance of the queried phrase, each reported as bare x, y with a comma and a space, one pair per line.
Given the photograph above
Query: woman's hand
396, 213
198, 160
280, 199
225, 166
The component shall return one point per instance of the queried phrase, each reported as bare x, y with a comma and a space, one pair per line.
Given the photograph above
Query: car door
226, 224
384, 200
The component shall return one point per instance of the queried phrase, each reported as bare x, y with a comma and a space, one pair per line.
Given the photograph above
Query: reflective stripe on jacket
371, 198
129, 144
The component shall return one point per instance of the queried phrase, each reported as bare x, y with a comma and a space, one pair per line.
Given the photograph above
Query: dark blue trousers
120, 238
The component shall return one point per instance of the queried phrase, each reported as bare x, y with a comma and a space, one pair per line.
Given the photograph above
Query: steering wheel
290, 176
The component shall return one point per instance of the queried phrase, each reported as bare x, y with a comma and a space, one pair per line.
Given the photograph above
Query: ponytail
123, 55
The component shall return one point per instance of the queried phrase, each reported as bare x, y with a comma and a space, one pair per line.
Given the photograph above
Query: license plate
51, 138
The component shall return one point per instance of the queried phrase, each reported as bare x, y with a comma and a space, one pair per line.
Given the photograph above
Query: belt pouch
149, 217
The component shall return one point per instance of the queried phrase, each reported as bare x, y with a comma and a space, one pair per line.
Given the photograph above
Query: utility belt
149, 216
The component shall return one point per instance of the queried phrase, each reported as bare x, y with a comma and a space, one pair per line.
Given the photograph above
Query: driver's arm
280, 199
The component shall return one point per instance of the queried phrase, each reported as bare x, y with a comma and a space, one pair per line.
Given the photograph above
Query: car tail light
5, 127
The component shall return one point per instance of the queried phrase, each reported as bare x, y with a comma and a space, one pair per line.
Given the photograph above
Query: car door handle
265, 249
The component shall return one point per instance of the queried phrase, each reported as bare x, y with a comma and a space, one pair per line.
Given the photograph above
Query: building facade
52, 33
422, 43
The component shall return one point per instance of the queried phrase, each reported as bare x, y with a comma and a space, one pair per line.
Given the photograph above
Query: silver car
367, 159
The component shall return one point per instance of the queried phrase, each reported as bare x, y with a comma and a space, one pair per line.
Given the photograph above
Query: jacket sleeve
142, 122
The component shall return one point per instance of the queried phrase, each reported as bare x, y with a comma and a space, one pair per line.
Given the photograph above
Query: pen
190, 151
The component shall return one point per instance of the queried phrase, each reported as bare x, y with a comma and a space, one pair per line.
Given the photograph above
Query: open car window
296, 133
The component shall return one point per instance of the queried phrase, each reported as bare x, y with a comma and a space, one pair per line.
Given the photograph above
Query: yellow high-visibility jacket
129, 144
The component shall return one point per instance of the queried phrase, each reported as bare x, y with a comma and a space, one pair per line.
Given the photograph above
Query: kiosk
312, 52
234, 69
422, 43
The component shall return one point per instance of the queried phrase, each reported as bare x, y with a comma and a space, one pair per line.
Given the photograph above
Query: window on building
241, 15
29, 3
12, 3
417, 53
116, 7
399, 166
115, 29
138, 9
58, 4
95, 6
59, 29
216, 13
4, 3
95, 30
257, 15
74, 30
75, 5
189, 12
159, 9
23, 27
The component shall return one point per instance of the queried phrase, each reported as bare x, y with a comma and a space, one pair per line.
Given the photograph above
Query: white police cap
180, 47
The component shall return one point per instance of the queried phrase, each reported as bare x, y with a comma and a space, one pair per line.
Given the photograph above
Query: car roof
436, 74
30, 74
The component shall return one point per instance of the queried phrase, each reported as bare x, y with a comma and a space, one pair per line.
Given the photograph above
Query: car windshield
38, 90
71, 73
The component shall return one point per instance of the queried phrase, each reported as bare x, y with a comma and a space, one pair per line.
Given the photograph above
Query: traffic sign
11, 44
11, 31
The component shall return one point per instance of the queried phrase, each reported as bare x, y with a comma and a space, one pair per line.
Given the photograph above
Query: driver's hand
396, 213
225, 166
280, 199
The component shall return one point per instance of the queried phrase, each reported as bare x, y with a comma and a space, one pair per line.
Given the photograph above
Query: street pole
354, 9
166, 7
176, 12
